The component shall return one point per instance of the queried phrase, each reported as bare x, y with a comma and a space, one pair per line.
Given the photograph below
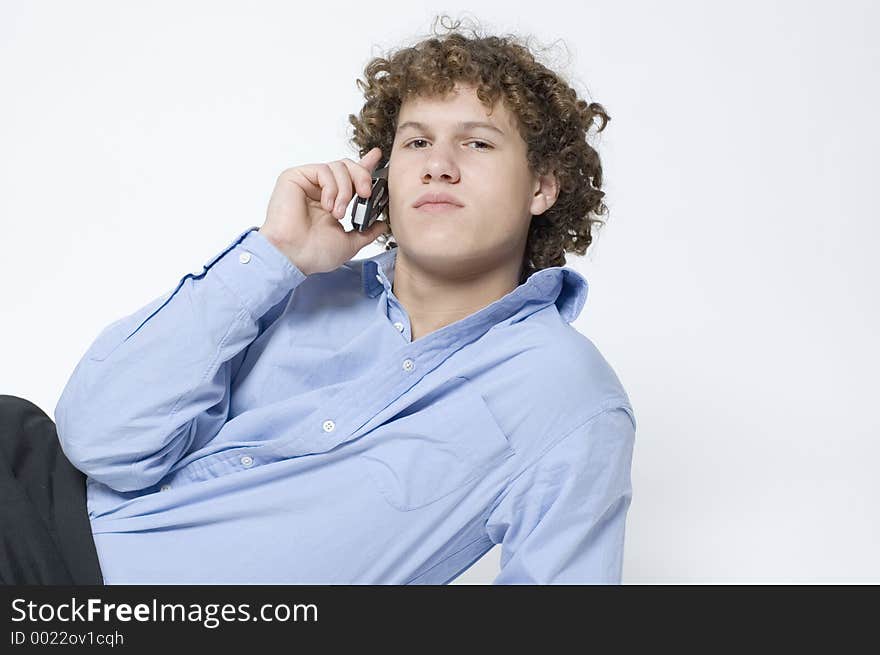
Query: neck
437, 298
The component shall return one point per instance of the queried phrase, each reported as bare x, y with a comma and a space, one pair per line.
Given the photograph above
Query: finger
344, 188
372, 158
320, 177
305, 177
363, 180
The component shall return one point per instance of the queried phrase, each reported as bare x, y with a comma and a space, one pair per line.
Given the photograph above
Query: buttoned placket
364, 412
328, 425
397, 324
334, 431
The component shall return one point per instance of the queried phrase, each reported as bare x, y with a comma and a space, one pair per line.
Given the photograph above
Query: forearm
129, 410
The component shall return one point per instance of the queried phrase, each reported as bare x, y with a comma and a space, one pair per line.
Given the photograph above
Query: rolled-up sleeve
562, 519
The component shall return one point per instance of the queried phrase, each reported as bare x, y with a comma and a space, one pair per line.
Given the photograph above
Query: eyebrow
466, 125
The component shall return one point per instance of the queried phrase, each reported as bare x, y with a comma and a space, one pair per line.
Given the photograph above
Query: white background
733, 289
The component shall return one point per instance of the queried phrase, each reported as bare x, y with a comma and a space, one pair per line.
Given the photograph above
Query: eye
487, 146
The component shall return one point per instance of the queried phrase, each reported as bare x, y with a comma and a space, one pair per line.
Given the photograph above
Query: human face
483, 167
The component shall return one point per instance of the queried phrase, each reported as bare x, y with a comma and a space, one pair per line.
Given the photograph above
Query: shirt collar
557, 284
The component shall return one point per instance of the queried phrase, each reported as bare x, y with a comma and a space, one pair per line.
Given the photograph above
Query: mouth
437, 207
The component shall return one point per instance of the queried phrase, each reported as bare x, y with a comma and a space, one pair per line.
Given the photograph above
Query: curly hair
552, 120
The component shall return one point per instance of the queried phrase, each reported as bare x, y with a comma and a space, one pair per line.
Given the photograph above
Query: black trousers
44, 523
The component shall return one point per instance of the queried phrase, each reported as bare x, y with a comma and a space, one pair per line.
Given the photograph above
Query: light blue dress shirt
259, 426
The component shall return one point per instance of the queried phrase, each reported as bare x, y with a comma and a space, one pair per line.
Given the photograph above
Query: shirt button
329, 426
247, 460
244, 257
408, 365
165, 487
399, 326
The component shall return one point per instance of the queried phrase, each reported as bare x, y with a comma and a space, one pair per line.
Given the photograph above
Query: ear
545, 191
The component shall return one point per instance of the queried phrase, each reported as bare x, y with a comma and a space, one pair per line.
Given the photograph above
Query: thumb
362, 239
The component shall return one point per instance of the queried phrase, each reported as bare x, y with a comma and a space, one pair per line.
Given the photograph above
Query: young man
293, 415
457, 259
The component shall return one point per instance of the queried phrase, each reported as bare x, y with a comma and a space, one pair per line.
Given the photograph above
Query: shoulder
569, 362
585, 382
556, 383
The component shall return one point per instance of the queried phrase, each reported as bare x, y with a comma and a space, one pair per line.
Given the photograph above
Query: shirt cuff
257, 272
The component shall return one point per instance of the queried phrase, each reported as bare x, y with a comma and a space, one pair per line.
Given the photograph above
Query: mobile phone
365, 211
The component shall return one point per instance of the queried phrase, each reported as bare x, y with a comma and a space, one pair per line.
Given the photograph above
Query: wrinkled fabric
259, 426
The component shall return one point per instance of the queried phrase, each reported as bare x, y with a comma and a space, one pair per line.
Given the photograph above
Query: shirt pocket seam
476, 459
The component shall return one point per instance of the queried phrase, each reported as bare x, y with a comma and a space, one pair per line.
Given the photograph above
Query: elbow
123, 476
123, 471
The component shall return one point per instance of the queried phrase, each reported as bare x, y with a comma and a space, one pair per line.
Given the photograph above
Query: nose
439, 165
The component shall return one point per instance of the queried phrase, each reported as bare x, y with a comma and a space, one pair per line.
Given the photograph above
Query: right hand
307, 203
